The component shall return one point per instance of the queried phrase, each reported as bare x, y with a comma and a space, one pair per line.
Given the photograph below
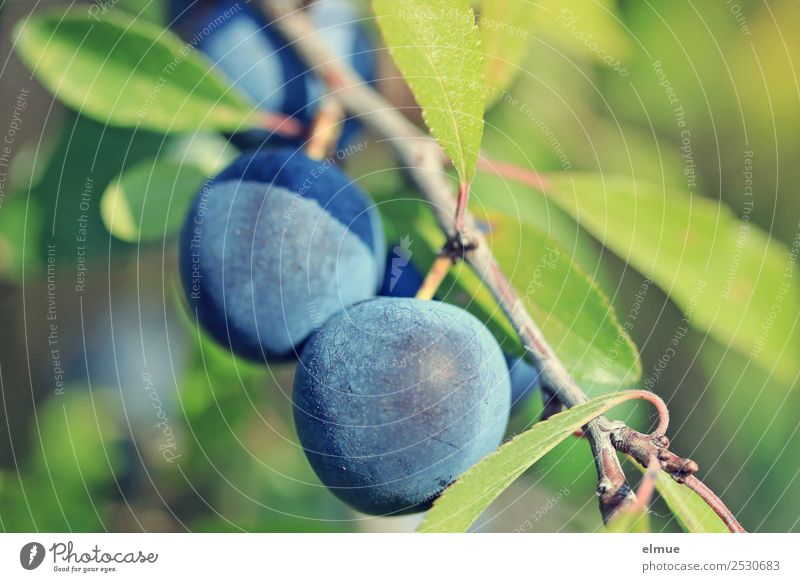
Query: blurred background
117, 415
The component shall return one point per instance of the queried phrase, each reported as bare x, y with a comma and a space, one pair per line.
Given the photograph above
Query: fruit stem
434, 278
325, 129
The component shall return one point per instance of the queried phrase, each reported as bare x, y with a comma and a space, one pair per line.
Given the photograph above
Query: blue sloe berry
251, 53
395, 398
273, 246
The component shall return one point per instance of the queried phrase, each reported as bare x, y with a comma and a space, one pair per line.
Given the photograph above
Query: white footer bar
388, 557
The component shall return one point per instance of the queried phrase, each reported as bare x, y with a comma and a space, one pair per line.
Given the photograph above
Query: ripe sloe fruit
275, 245
395, 398
402, 279
257, 60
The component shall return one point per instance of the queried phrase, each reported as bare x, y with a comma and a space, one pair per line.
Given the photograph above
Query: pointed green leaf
727, 275
129, 72
464, 501
436, 45
505, 27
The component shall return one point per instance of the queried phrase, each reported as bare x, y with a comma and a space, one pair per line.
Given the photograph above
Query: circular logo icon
31, 555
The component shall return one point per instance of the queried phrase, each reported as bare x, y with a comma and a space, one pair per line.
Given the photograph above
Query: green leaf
464, 501
572, 311
436, 45
505, 27
129, 72
149, 202
694, 515
728, 276
634, 521
589, 28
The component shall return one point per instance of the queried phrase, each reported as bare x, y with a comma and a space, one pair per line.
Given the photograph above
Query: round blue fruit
395, 398
251, 53
402, 279
524, 380
275, 245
